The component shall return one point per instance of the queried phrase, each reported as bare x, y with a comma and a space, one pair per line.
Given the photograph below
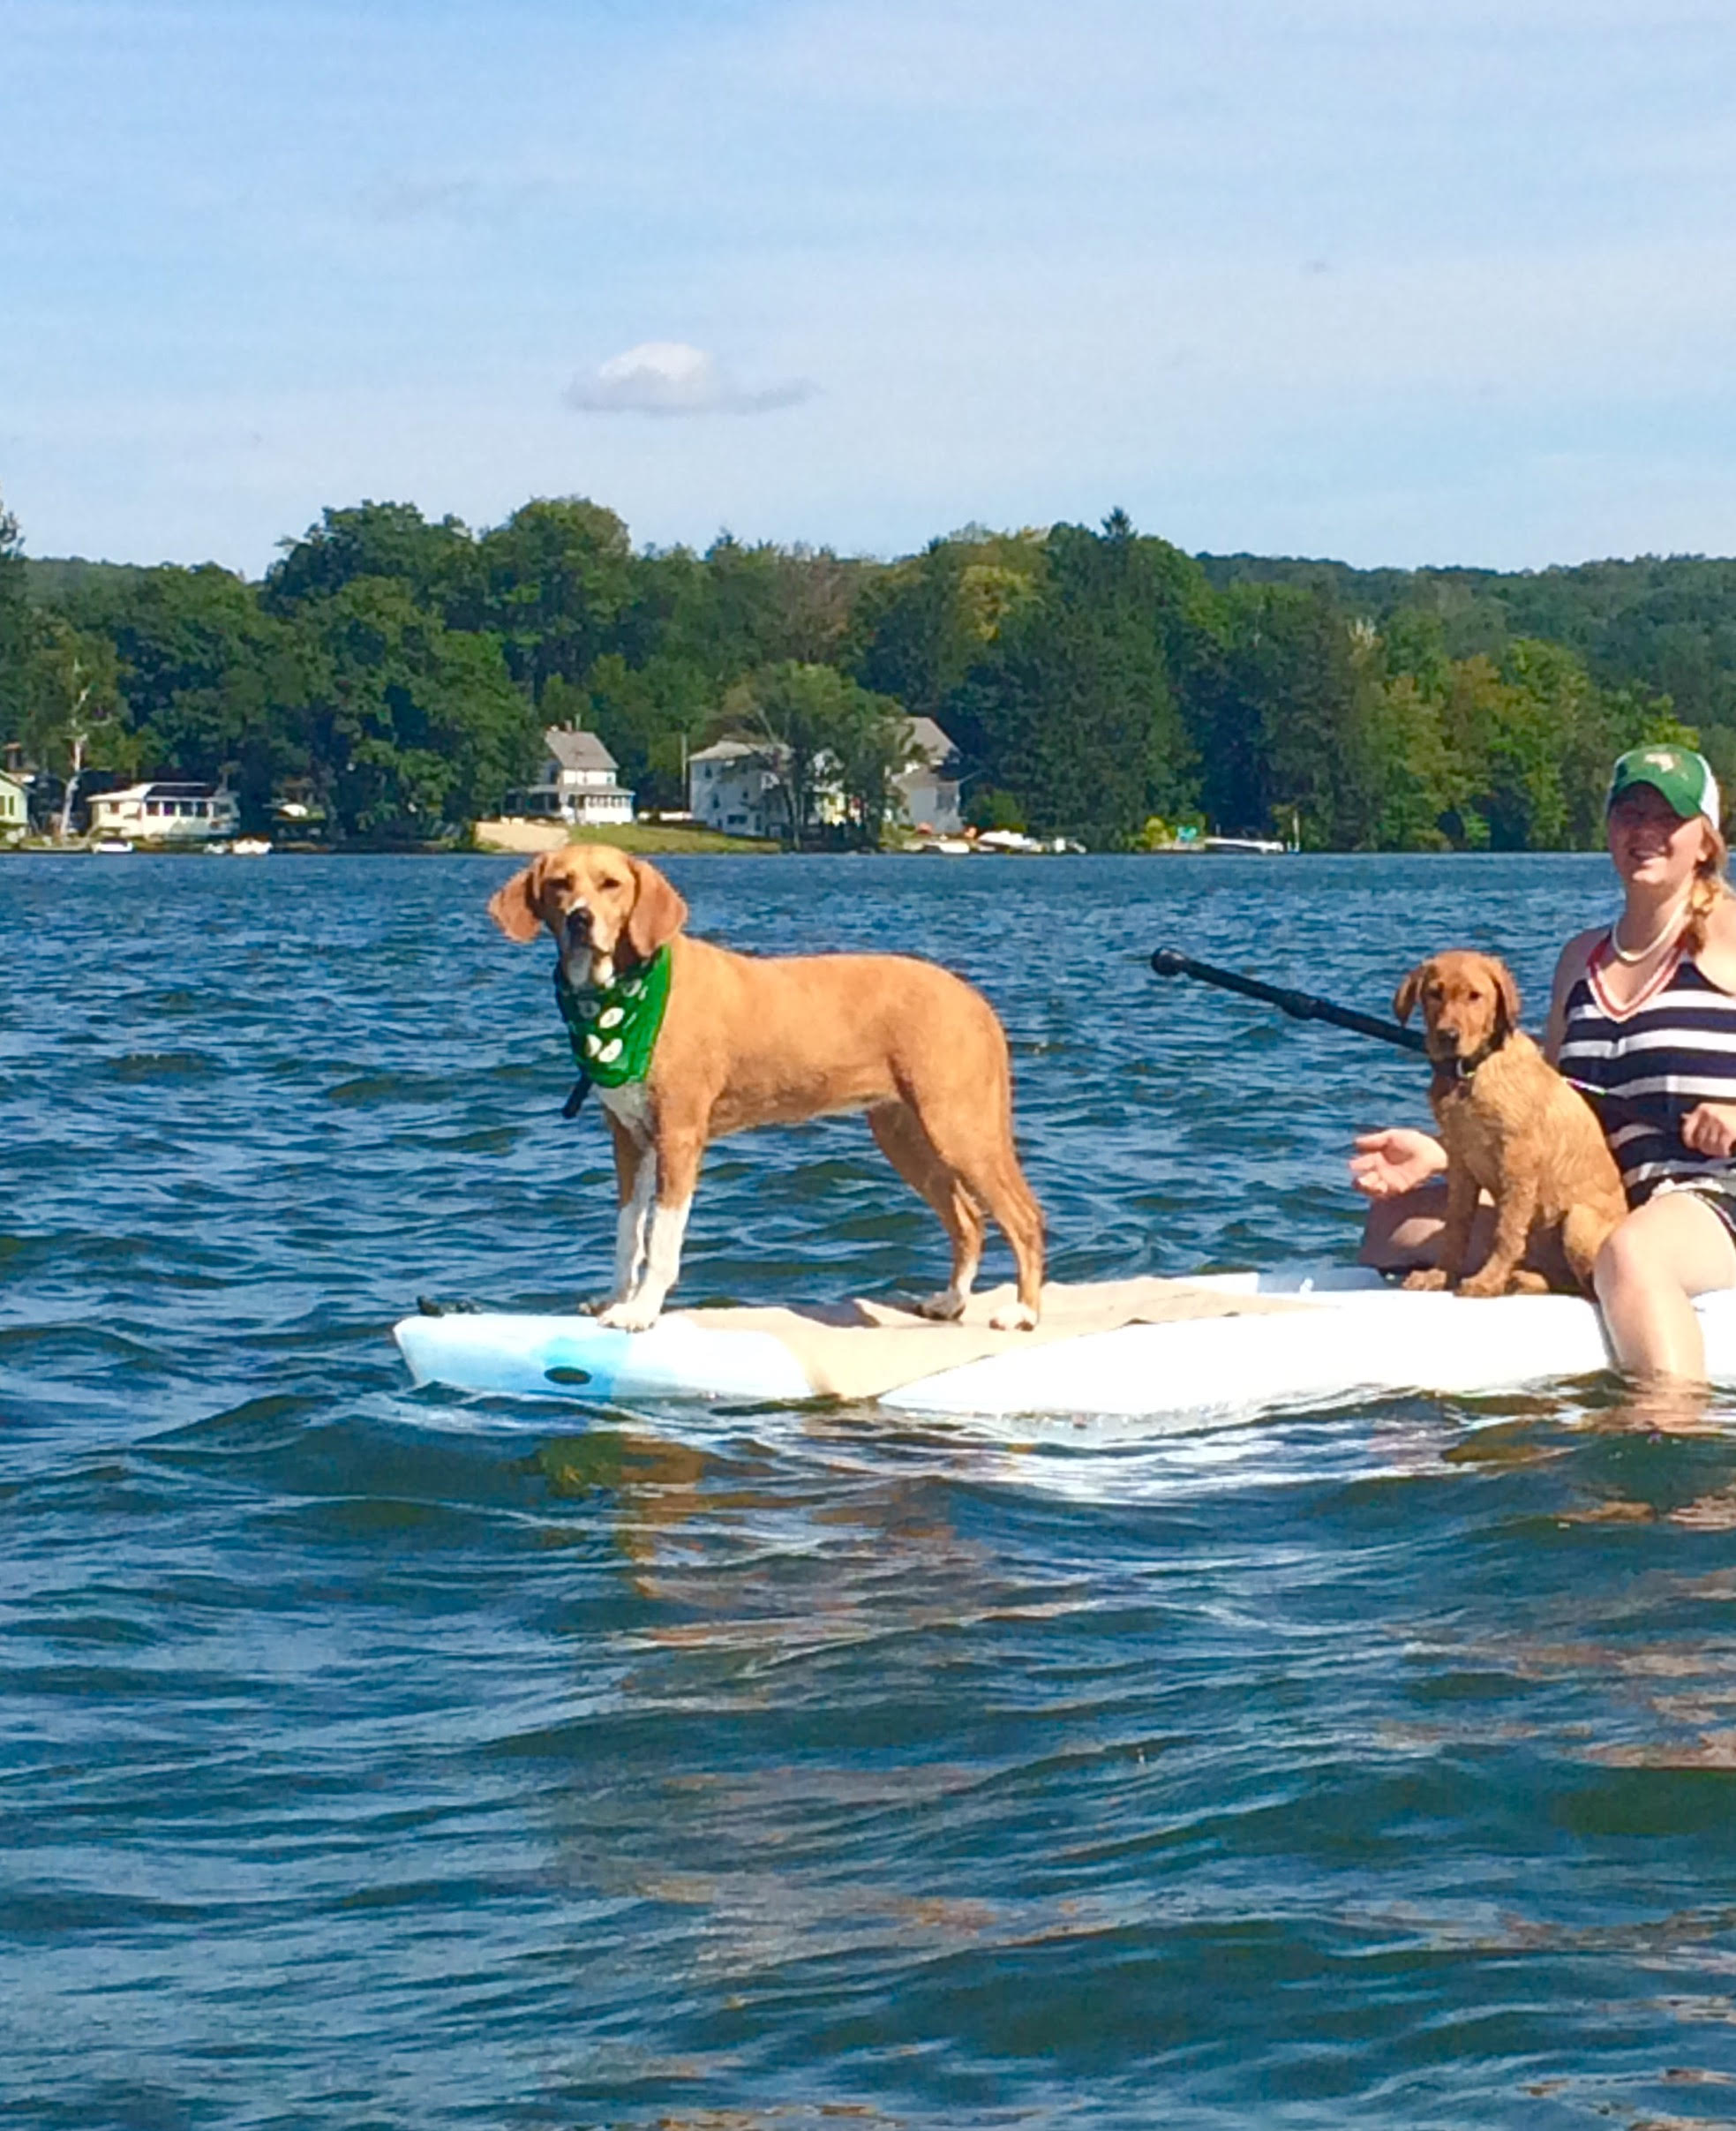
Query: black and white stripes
1674, 1047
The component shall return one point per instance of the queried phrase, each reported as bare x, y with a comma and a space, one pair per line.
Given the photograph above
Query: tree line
397, 671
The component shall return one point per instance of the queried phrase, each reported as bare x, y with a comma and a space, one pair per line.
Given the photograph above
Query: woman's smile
1647, 836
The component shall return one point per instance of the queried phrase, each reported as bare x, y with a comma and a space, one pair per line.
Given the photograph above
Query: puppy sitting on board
1512, 1126
686, 1042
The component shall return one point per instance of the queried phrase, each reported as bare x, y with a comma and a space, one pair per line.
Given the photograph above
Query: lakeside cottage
579, 782
929, 788
734, 785
14, 810
165, 813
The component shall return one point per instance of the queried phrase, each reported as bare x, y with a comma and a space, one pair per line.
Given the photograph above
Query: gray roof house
734, 785
578, 782
927, 792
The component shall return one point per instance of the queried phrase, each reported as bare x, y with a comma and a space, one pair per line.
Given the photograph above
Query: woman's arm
1710, 1128
1396, 1160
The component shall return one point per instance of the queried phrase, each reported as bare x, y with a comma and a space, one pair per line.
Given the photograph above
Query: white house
578, 782
165, 813
734, 785
14, 810
929, 796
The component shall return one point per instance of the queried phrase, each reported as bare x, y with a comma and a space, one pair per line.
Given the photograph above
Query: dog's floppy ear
1404, 1000
658, 912
516, 906
1506, 995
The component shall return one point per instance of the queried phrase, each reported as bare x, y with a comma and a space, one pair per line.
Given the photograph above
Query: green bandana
614, 1031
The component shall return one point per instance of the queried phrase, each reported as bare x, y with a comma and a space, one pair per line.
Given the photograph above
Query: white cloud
670, 378
1045, 255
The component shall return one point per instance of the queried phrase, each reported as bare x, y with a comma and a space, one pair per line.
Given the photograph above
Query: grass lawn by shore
673, 836
646, 838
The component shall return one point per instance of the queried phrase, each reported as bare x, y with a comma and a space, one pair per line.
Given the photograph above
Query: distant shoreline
738, 847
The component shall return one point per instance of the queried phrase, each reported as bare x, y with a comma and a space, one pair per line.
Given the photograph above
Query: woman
1644, 1010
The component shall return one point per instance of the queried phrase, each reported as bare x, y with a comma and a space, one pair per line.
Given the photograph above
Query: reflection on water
369, 1759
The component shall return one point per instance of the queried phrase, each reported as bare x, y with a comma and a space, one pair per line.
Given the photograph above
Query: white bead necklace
1669, 929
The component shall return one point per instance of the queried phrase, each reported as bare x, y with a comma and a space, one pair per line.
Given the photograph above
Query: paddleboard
1350, 1335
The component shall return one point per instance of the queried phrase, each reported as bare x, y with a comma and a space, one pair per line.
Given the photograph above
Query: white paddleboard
1353, 1337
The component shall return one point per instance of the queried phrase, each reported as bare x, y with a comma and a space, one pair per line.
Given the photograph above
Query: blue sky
1398, 281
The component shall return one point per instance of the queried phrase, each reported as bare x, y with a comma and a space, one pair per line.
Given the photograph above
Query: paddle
1304, 1006
1300, 1006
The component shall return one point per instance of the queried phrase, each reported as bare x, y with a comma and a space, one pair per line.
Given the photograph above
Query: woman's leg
1667, 1250
1404, 1231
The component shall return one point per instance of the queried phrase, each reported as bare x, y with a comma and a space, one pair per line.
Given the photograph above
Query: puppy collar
1461, 1070
614, 1031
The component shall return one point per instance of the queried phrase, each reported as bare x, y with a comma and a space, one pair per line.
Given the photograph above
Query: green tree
15, 628
990, 807
918, 627
1417, 783
436, 561
72, 697
1072, 708
1284, 700
650, 718
212, 688
832, 746
873, 749
415, 728
554, 583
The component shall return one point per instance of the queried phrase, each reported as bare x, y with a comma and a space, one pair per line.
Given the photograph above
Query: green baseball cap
1684, 777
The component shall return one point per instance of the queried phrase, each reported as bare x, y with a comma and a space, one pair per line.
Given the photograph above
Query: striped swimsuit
1674, 1047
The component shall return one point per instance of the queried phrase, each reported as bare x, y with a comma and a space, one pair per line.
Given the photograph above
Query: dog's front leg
1514, 1215
1461, 1192
672, 1165
636, 1185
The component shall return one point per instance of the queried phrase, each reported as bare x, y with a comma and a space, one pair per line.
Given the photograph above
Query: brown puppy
745, 1043
1512, 1126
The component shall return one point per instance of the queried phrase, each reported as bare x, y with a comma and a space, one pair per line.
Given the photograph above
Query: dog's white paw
629, 1317
1015, 1317
945, 1308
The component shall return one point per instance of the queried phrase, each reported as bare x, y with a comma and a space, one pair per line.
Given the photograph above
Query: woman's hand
1710, 1128
1399, 1159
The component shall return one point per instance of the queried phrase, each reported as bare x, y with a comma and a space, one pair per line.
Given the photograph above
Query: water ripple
377, 1756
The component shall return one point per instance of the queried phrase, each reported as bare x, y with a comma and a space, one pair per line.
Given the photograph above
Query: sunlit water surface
372, 1757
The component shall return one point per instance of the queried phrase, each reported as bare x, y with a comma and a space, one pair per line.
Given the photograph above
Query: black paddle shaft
1304, 1006
1300, 1006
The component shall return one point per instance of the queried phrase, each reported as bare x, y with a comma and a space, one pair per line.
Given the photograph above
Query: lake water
372, 1758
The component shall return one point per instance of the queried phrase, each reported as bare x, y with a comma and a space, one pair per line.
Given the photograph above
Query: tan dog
1512, 1126
746, 1042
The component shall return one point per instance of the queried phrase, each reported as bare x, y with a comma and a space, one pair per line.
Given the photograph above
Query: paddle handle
1300, 1006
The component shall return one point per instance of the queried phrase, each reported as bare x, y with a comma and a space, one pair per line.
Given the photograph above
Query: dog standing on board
1512, 1126
744, 1042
